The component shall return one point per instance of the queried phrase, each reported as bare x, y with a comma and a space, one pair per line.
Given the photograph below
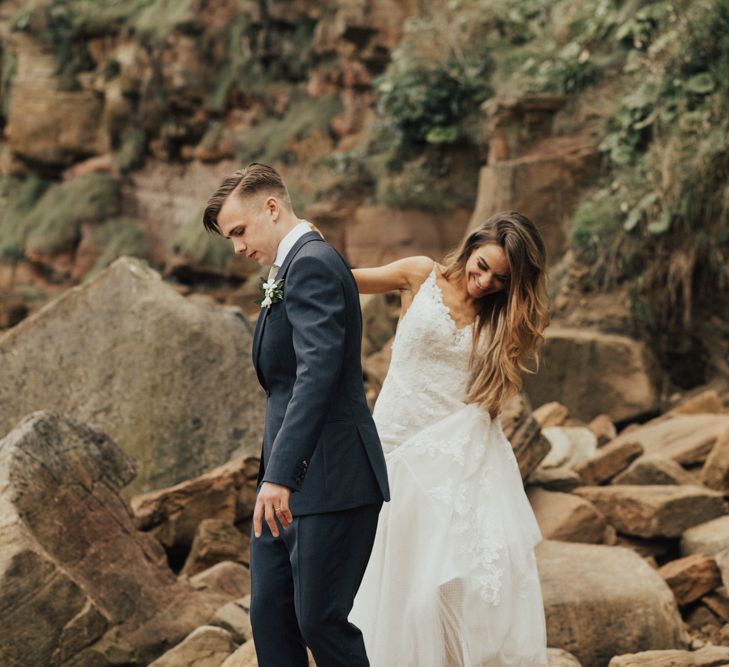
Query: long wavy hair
509, 325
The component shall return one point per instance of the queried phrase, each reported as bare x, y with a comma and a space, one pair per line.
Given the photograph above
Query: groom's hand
272, 503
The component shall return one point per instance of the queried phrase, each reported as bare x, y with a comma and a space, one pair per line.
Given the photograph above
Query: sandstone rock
73, 565
601, 601
651, 549
375, 369
691, 577
718, 603
654, 511
527, 183
594, 373
706, 538
558, 657
555, 479
228, 578
45, 124
551, 414
715, 473
408, 232
562, 516
207, 646
603, 428
608, 462
521, 429
380, 314
707, 402
709, 656
215, 541
171, 381
687, 439
651, 469
571, 446
234, 618
722, 561
172, 515
244, 656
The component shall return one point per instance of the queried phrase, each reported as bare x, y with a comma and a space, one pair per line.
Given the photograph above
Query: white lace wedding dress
452, 580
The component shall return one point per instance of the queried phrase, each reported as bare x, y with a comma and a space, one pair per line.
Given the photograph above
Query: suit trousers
303, 585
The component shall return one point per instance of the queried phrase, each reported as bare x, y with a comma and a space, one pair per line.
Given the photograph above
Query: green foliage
9, 64
207, 251
437, 78
17, 198
117, 237
54, 223
131, 151
268, 141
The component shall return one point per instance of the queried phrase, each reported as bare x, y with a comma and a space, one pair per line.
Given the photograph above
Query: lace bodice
428, 373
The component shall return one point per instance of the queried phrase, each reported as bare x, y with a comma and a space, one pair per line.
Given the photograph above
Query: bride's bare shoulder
418, 268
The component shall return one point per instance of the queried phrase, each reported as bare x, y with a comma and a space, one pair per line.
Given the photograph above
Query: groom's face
250, 224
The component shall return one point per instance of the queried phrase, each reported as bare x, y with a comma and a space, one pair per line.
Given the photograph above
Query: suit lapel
261, 324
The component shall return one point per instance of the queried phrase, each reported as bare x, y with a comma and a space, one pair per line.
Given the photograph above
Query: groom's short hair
256, 178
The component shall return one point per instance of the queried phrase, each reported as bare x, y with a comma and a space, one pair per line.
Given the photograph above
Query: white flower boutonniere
271, 292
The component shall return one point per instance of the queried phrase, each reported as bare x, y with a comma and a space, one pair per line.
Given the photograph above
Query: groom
322, 478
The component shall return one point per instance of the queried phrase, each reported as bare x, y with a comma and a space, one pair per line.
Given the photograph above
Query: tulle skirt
452, 580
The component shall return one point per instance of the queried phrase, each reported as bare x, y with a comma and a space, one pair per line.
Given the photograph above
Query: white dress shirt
288, 242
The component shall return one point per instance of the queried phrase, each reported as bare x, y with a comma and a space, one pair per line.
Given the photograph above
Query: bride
452, 580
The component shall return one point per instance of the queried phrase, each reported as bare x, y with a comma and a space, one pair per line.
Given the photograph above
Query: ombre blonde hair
509, 325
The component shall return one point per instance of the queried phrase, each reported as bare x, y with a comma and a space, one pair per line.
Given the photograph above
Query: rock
571, 446
603, 428
687, 439
170, 380
594, 373
526, 182
698, 617
375, 369
73, 565
715, 473
172, 515
521, 429
380, 313
47, 125
709, 656
706, 538
691, 577
562, 516
215, 541
557, 657
608, 462
649, 548
408, 232
207, 646
654, 511
228, 578
718, 603
707, 402
244, 656
652, 469
551, 414
722, 561
233, 617
601, 601
555, 479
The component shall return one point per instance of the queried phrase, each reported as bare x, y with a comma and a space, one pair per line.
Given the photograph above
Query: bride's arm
405, 274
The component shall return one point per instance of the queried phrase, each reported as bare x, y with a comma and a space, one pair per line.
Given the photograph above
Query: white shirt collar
288, 242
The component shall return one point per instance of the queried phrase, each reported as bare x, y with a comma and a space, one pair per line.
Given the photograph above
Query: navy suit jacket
319, 437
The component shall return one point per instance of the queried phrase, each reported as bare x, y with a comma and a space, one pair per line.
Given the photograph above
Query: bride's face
487, 270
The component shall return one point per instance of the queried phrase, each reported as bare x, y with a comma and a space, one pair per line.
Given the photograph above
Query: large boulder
653, 469
706, 538
602, 601
566, 517
593, 373
207, 646
709, 656
686, 439
170, 379
654, 511
73, 566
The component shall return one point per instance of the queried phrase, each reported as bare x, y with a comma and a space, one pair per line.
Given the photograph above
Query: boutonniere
271, 292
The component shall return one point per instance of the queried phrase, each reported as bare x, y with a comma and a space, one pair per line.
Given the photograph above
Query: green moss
55, 222
17, 198
117, 237
206, 250
267, 141
157, 18
131, 151
9, 66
